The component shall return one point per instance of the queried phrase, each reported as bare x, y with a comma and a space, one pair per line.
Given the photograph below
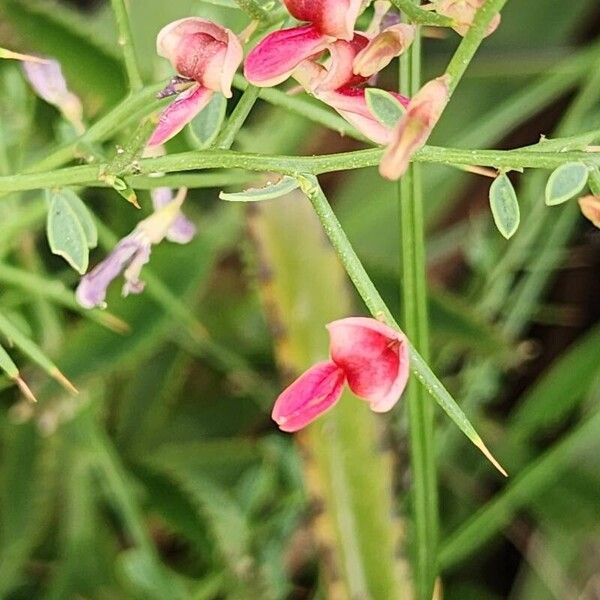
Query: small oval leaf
504, 205
66, 234
565, 182
274, 190
384, 106
82, 212
204, 128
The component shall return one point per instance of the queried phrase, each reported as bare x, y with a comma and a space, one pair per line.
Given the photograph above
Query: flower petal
313, 393
202, 50
92, 288
374, 358
335, 18
179, 113
49, 83
182, 230
351, 103
274, 59
339, 68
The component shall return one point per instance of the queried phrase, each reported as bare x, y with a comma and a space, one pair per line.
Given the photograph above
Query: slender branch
294, 165
470, 44
420, 16
416, 325
374, 302
238, 117
126, 42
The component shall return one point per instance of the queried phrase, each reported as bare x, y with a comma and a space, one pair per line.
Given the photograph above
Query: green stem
416, 326
420, 16
294, 165
126, 42
239, 115
374, 302
470, 44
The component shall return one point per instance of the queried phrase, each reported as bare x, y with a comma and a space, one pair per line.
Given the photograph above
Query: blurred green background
165, 478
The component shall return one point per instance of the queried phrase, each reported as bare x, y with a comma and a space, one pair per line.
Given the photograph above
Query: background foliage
164, 477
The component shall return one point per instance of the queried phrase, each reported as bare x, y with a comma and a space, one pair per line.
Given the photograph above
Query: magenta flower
369, 356
276, 57
133, 251
204, 53
47, 80
415, 127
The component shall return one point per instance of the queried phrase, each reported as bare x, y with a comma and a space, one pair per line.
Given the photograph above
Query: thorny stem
415, 320
374, 302
126, 42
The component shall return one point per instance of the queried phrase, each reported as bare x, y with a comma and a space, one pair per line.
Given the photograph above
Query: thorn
25, 390
56, 374
479, 443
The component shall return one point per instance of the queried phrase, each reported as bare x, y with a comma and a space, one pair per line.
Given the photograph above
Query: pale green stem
294, 165
239, 115
415, 319
420, 16
125, 40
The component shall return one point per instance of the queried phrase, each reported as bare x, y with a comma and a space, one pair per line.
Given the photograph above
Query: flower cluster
335, 63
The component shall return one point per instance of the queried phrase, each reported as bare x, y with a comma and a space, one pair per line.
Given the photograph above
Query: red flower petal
179, 113
374, 358
274, 59
313, 393
331, 17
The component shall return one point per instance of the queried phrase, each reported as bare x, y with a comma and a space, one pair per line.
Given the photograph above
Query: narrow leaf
82, 212
66, 234
34, 352
565, 182
384, 106
504, 205
271, 191
205, 127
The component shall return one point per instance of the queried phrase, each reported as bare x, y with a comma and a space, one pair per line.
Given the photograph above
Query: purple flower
133, 251
47, 80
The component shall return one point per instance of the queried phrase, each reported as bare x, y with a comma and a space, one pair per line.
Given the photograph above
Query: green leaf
203, 129
66, 234
504, 205
271, 191
385, 107
81, 210
565, 182
594, 181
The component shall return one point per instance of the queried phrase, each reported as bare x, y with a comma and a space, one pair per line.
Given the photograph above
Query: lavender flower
133, 251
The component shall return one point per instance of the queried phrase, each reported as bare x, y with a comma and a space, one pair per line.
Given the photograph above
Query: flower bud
203, 51
414, 128
385, 46
463, 12
590, 208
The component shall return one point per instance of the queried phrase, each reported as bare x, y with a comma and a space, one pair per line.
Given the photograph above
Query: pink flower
337, 84
276, 57
415, 127
590, 208
206, 54
369, 356
463, 12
